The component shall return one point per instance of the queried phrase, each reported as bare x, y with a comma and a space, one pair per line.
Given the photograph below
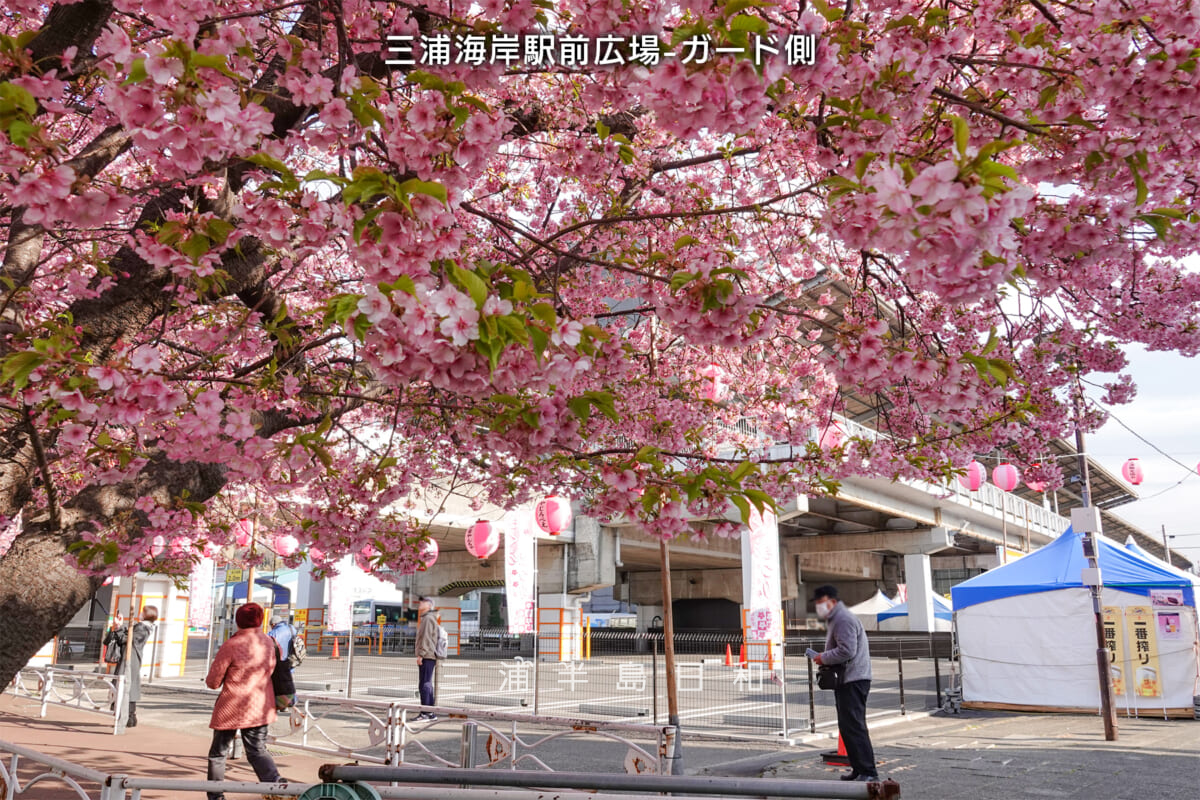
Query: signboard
520, 576
300, 617
1114, 640
200, 593
234, 575
1170, 625
1147, 681
760, 556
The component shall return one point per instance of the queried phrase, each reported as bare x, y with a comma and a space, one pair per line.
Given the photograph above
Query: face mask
823, 610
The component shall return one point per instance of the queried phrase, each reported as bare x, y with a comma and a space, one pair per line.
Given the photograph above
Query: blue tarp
1059, 565
941, 610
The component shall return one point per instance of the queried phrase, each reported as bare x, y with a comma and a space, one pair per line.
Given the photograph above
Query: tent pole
1102, 652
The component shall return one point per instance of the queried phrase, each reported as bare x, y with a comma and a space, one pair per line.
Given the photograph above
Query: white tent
896, 617
1027, 632
867, 610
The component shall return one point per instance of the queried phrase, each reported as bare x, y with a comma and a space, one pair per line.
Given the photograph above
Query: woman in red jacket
242, 671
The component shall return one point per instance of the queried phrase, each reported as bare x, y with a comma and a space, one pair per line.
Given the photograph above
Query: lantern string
1191, 471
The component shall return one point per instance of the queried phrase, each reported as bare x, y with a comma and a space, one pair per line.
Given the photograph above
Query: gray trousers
255, 740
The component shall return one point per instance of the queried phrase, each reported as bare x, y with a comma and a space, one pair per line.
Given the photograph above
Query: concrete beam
855, 565
690, 584
902, 542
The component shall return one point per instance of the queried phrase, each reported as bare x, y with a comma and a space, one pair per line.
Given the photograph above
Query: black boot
132, 721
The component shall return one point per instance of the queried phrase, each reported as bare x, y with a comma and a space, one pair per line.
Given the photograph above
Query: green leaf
962, 134
137, 72
743, 506
602, 130
195, 246
744, 469
18, 366
760, 499
544, 312
684, 241
472, 283
860, 165
20, 132
418, 186
342, 306
514, 328
745, 22
361, 325
681, 279
540, 341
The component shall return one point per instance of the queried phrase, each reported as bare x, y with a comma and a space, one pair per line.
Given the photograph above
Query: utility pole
1166, 546
1092, 550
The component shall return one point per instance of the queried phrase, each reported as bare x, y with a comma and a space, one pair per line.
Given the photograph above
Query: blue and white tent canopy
1027, 630
1060, 564
941, 610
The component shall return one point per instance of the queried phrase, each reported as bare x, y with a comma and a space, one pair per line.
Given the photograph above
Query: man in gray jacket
846, 645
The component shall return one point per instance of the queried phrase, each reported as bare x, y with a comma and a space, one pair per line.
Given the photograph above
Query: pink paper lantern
1131, 470
482, 539
243, 532
832, 436
713, 387
975, 476
1005, 476
553, 515
1037, 486
285, 544
428, 555
157, 545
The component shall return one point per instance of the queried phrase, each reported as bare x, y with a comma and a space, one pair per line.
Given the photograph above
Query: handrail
745, 787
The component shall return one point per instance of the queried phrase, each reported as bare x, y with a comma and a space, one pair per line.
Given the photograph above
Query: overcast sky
1165, 413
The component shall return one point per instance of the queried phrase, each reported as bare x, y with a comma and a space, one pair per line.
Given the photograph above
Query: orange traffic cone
839, 757
728, 656
335, 656
742, 657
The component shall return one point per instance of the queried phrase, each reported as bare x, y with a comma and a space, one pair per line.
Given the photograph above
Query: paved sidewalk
147, 750
974, 755
1000, 756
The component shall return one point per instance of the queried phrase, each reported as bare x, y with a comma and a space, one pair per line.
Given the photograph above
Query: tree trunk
39, 593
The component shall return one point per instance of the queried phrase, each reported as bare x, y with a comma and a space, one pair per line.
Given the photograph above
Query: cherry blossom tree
260, 259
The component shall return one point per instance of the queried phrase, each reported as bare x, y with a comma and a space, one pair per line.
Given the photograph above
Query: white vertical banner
520, 577
762, 595
200, 593
340, 611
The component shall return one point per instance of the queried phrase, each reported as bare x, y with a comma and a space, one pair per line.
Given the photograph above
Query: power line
1191, 472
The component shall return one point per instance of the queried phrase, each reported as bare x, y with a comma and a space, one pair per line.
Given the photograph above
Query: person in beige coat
427, 637
242, 671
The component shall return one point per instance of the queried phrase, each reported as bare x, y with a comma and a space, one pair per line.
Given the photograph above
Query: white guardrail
97, 692
489, 738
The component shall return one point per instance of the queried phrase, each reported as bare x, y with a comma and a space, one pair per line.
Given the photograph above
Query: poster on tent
1170, 625
1147, 680
1114, 640
520, 576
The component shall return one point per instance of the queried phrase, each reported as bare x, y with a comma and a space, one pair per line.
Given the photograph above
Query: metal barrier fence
391, 733
622, 677
90, 691
425, 784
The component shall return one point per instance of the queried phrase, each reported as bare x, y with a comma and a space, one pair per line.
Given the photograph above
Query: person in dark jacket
846, 644
116, 639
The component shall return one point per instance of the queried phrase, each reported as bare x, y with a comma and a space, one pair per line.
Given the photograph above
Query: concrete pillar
919, 578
